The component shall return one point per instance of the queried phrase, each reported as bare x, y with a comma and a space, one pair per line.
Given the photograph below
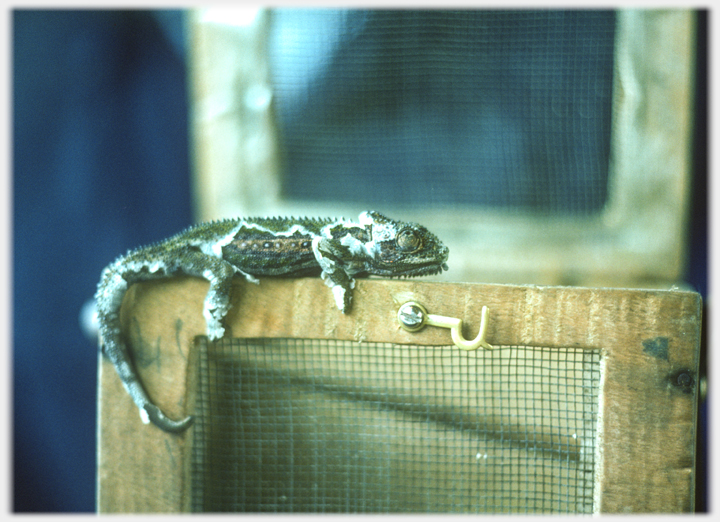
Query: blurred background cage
544, 147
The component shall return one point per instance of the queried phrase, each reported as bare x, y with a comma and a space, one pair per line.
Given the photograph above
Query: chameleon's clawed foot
158, 418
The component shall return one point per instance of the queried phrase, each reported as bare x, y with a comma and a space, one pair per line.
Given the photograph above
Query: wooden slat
648, 401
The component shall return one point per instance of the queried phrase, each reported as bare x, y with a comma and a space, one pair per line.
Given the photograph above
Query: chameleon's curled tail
109, 296
158, 418
149, 412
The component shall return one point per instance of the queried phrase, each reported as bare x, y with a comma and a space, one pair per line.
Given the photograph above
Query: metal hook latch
413, 317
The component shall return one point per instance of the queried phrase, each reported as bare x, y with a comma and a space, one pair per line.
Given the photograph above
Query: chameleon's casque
336, 249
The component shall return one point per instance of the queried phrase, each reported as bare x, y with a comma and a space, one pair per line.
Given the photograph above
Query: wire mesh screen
293, 425
487, 108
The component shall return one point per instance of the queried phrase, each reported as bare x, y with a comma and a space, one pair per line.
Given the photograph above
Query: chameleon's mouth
417, 271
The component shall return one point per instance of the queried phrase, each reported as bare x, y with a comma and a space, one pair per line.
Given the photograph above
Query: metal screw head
412, 316
683, 379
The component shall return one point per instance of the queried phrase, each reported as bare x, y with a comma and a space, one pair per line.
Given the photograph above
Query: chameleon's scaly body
338, 250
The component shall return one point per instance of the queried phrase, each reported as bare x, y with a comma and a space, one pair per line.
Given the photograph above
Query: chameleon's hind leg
328, 256
217, 300
217, 303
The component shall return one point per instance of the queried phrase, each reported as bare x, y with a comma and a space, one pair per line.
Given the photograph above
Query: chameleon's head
401, 249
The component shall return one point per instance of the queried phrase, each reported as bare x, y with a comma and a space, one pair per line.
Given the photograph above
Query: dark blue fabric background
100, 165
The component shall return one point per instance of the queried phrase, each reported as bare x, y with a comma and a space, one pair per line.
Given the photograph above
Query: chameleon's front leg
334, 274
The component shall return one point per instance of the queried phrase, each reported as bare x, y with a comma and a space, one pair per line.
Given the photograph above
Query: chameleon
339, 250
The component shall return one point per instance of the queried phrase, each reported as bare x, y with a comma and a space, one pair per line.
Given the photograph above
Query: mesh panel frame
297, 425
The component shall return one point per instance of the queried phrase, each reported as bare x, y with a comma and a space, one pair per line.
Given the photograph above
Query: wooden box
586, 403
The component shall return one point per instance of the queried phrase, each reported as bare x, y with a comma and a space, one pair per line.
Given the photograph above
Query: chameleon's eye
408, 240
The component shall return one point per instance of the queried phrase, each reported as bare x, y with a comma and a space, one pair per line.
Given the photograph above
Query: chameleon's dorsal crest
371, 217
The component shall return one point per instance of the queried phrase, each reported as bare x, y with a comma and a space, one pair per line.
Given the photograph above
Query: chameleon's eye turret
398, 249
408, 240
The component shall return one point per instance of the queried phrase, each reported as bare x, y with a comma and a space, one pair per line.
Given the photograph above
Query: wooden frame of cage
637, 240
645, 453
